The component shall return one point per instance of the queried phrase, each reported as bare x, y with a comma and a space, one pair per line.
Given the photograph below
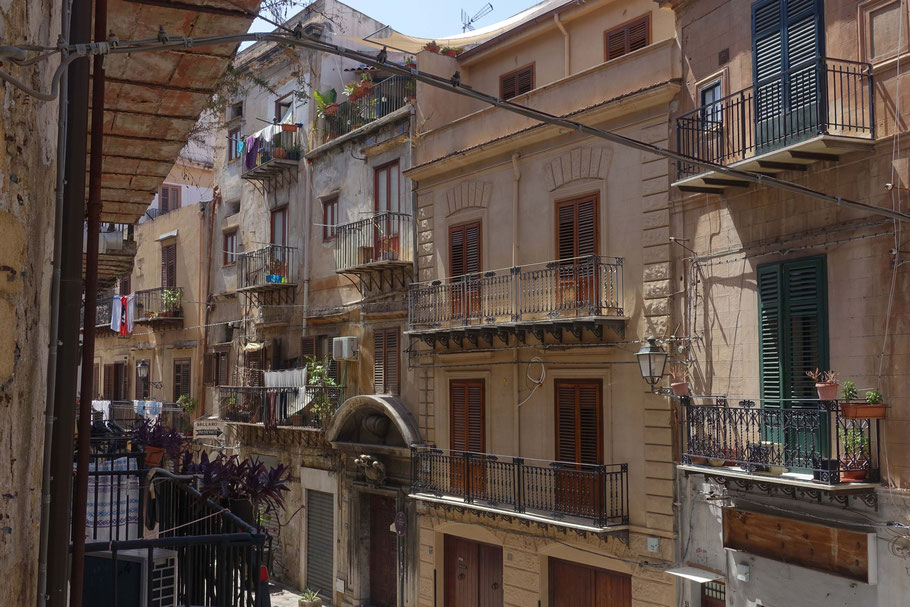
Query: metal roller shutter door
319, 546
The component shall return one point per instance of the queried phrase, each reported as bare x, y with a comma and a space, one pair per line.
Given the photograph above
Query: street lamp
142, 370
652, 359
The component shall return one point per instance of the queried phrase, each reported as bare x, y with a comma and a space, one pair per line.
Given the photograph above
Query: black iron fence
382, 99
159, 303
284, 143
584, 286
195, 553
796, 436
823, 96
384, 237
270, 266
285, 406
595, 493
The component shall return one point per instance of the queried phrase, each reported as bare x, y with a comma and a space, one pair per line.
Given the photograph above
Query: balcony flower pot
697, 460
856, 472
827, 391
331, 109
279, 153
242, 509
432, 47
680, 388
450, 52
862, 410
154, 456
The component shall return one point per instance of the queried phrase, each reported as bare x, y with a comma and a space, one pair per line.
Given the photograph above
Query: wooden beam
783, 166
802, 155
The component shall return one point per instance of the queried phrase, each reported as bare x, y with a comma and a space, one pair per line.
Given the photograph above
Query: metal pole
61, 473
80, 500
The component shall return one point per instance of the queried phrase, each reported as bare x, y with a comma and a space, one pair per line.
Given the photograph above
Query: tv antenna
467, 23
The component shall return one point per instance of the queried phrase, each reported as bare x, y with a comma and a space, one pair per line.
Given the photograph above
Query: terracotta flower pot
827, 391
862, 411
855, 474
280, 153
331, 109
680, 388
698, 461
153, 457
433, 48
450, 53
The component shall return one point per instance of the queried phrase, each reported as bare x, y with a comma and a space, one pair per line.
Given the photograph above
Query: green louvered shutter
770, 357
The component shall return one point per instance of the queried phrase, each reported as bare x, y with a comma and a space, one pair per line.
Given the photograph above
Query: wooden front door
574, 585
464, 259
579, 440
383, 552
466, 428
473, 573
576, 243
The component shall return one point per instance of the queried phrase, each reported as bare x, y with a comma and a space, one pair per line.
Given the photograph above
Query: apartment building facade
543, 262
786, 498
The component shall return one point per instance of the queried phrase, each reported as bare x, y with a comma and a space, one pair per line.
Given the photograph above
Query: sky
426, 18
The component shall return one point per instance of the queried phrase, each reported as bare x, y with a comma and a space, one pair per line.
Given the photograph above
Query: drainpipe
94, 208
61, 463
53, 338
207, 278
516, 181
565, 35
307, 219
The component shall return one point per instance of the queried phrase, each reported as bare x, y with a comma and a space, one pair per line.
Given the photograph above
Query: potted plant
187, 403
449, 51
410, 62
309, 598
294, 152
871, 409
246, 486
171, 300
678, 383
320, 382
825, 383
279, 152
431, 46
854, 464
158, 442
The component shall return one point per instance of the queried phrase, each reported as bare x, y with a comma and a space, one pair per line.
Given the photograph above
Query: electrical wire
537, 381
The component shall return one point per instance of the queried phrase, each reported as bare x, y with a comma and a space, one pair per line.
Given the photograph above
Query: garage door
574, 585
320, 568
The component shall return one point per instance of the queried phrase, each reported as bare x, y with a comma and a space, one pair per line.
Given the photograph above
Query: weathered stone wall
28, 165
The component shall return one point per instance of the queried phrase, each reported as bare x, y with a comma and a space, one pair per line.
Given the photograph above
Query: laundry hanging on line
123, 311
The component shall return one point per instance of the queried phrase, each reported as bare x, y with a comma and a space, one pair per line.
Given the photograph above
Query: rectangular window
466, 407
464, 249
142, 385
233, 144
182, 374
96, 381
168, 198
126, 286
709, 96
579, 415
222, 372
115, 381
385, 360
628, 37
108, 392
215, 369
517, 82
386, 184
283, 107
279, 226
329, 218
230, 247
169, 266
320, 348
236, 110
577, 221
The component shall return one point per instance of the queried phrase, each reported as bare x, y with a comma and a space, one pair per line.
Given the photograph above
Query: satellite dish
467, 23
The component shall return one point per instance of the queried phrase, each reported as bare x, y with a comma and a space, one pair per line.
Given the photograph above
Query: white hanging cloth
123, 311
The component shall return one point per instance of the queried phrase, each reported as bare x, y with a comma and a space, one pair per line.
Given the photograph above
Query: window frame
864, 24
235, 115
579, 381
172, 189
626, 26
282, 210
387, 388
330, 208
714, 118
465, 383
230, 252
280, 101
233, 138
575, 201
166, 283
532, 67
179, 362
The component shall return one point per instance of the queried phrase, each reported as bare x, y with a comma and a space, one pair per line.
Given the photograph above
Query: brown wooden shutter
639, 34
524, 80
464, 249
108, 382
466, 404
517, 82
96, 381
181, 378
378, 361
120, 381
308, 347
169, 265
254, 364
391, 361
208, 369
223, 370
578, 421
627, 38
577, 227
165, 199
507, 86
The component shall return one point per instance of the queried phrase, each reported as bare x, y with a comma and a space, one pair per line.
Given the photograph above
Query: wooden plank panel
827, 548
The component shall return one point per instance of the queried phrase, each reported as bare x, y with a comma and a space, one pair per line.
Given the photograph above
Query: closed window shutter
770, 358
378, 361
638, 34
577, 229
464, 249
467, 415
121, 381
616, 44
391, 361
578, 421
169, 266
507, 86
108, 382
627, 38
516, 83
524, 81
165, 199
308, 347
96, 381
208, 369
181, 378
254, 363
223, 370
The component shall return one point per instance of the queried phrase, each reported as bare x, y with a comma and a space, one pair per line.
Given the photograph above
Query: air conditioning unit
133, 586
344, 348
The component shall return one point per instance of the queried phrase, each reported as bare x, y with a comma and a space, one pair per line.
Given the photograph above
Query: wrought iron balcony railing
383, 98
286, 406
159, 304
559, 490
269, 267
569, 288
822, 97
379, 241
272, 144
807, 437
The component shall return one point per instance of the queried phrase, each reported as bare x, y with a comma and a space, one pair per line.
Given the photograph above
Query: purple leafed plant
158, 435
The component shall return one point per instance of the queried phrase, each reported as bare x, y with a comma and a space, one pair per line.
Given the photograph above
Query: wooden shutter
169, 265
793, 324
378, 361
208, 369
517, 82
108, 382
254, 365
96, 381
578, 421
385, 361
308, 347
181, 378
631, 36
120, 382
507, 86
576, 229
221, 359
466, 405
464, 249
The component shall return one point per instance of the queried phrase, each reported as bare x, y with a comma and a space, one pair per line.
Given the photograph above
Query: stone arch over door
375, 420
576, 164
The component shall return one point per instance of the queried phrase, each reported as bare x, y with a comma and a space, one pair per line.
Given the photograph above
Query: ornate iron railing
803, 436
159, 303
383, 98
580, 287
290, 406
823, 96
281, 145
384, 237
270, 266
558, 490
